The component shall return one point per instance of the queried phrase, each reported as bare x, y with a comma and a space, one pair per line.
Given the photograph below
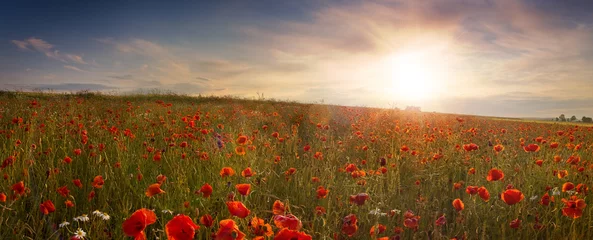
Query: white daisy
533, 198
63, 224
82, 218
105, 216
97, 213
168, 211
79, 234
555, 191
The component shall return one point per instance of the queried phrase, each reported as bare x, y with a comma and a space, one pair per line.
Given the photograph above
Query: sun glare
416, 76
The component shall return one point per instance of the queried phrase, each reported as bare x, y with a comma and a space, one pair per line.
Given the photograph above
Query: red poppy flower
287, 221
441, 221
471, 190
47, 207
531, 148
349, 225
247, 172
359, 199
494, 175
546, 199
237, 208
242, 140
98, 181
515, 223
2, 197
19, 188
228, 230
206, 190
377, 229
69, 204
240, 150
498, 148
573, 207
512, 196
484, 194
278, 208
134, 226
411, 220
243, 188
322, 192
227, 172
154, 189
206, 220
160, 179
260, 228
287, 234
77, 183
63, 191
181, 227
319, 210
567, 186
470, 147
458, 204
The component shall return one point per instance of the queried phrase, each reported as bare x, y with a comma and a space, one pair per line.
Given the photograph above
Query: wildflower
97, 213
47, 207
512, 196
278, 208
573, 207
206, 220
134, 226
63, 224
205, 190
98, 181
494, 175
82, 218
458, 204
228, 230
79, 234
531, 148
359, 199
243, 188
237, 208
287, 221
322, 192
349, 225
181, 227
154, 189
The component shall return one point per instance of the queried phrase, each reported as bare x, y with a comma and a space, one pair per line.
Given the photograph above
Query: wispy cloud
47, 49
74, 68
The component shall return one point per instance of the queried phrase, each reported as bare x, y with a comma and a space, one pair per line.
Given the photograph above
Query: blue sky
499, 58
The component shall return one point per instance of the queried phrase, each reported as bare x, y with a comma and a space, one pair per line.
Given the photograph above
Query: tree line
563, 118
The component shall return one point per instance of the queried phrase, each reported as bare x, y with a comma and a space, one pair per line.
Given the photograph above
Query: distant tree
413, 109
562, 118
557, 119
587, 119
573, 118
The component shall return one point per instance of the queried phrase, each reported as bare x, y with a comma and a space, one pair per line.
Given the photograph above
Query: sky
509, 58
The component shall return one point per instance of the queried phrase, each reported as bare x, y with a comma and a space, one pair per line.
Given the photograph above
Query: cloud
123, 77
21, 44
74, 68
75, 58
63, 87
47, 49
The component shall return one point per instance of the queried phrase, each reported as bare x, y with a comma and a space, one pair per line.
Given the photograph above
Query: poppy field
175, 167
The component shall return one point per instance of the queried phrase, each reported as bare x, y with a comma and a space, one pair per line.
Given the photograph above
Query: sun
415, 76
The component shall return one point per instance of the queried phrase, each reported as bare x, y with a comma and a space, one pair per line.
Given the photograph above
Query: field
162, 166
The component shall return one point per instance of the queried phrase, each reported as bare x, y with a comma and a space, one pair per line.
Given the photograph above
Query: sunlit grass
134, 128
